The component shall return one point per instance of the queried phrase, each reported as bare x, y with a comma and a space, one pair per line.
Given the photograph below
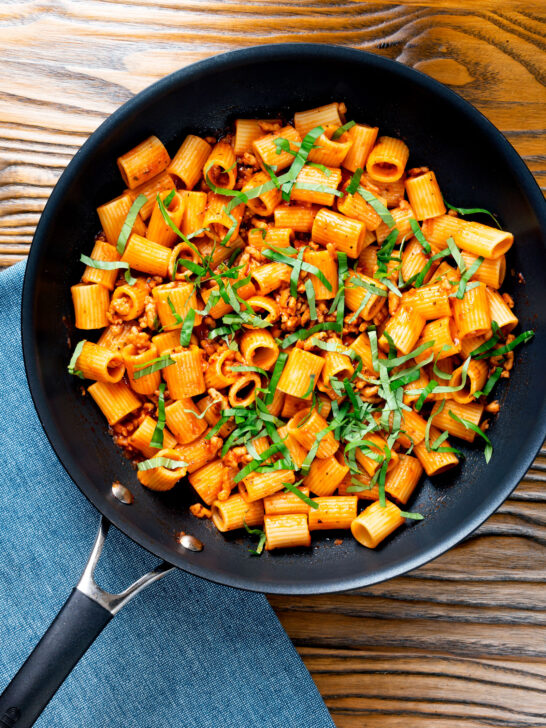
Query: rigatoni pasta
290, 316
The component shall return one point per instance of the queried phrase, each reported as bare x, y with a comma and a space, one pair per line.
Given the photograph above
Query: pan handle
82, 618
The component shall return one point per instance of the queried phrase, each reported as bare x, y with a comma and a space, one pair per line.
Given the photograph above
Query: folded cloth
184, 654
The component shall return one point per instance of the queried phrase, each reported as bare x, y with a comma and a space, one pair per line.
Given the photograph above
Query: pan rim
30, 355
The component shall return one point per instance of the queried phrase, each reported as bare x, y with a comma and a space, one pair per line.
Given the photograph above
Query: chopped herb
521, 339
377, 205
466, 276
473, 211
170, 197
279, 257
321, 167
323, 189
157, 437
187, 328
456, 253
310, 387
299, 161
426, 391
493, 379
419, 236
74, 359
292, 487
283, 145
256, 532
245, 368
419, 278
354, 181
342, 129
413, 516
310, 293
127, 226
161, 462
109, 265
488, 451
154, 365
275, 376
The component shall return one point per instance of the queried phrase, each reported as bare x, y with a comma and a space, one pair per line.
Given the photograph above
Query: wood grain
460, 642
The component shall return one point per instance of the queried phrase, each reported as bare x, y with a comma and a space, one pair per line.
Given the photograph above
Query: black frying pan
475, 166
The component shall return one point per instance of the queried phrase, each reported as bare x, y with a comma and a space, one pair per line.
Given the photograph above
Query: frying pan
475, 166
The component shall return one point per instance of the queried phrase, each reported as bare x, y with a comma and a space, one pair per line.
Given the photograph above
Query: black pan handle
82, 618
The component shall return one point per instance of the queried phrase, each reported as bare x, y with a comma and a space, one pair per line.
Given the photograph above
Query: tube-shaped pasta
404, 328
127, 302
295, 448
268, 277
325, 115
259, 485
142, 436
445, 272
412, 426
217, 222
292, 405
91, 303
435, 461
401, 481
185, 377
305, 425
107, 278
179, 254
500, 311
270, 237
211, 407
286, 531
297, 217
143, 162
328, 151
491, 271
263, 303
248, 130
279, 504
115, 401
361, 298
199, 452
218, 373
363, 138
361, 346
266, 152
392, 192
336, 366
483, 240
322, 260
150, 190
276, 405
114, 337
184, 421
345, 233
476, 377
233, 513
329, 180
378, 445
437, 230
194, 212
146, 256
187, 163
375, 523
387, 160
243, 392
333, 512
209, 480
218, 253
99, 363
182, 298
220, 166
135, 361
471, 312
424, 196
472, 412
430, 302
166, 341
265, 203
161, 478
112, 216
259, 349
325, 475
445, 339
158, 230
401, 216
413, 261
355, 206
300, 373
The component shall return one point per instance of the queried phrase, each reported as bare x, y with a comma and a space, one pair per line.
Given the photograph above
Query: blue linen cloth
185, 653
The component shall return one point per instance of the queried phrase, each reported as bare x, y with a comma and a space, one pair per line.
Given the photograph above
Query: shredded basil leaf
378, 206
419, 236
488, 451
413, 516
127, 226
74, 359
256, 532
473, 211
493, 379
109, 265
292, 487
161, 462
154, 365
342, 129
157, 437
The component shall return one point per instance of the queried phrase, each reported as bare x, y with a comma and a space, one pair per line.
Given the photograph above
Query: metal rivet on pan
190, 542
122, 493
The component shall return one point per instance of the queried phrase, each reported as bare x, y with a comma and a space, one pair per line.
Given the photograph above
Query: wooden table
460, 642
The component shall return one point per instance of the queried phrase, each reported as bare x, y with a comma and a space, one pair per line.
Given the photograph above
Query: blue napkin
185, 653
